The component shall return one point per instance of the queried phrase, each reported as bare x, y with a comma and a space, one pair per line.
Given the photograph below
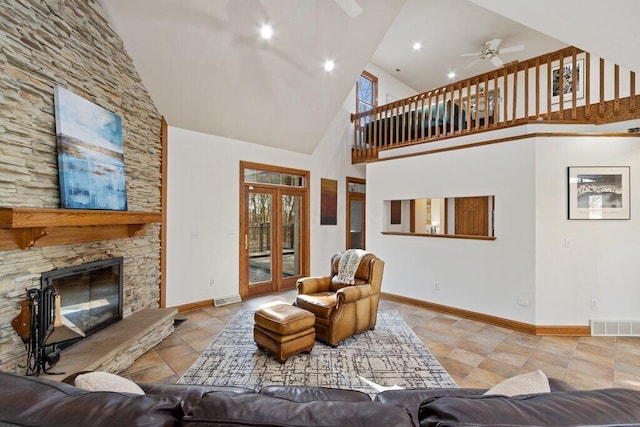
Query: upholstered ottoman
284, 330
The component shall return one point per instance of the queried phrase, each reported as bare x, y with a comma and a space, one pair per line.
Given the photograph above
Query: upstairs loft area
584, 90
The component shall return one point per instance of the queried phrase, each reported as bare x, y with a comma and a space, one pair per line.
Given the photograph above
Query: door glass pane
259, 240
355, 224
291, 235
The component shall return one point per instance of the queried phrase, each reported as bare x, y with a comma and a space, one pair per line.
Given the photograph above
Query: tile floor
475, 354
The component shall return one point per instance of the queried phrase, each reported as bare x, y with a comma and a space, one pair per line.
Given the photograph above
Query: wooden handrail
537, 89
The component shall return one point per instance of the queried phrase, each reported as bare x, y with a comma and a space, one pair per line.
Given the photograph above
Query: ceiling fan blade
516, 48
471, 64
493, 44
350, 7
497, 62
471, 54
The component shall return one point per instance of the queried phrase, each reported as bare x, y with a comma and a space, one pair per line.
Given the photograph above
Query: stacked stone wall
70, 43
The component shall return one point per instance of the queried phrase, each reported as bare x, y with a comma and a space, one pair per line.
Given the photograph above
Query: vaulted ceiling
208, 70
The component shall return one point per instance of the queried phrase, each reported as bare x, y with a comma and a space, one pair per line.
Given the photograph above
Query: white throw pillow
104, 381
530, 383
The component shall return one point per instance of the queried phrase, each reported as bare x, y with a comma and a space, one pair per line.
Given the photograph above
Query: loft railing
538, 89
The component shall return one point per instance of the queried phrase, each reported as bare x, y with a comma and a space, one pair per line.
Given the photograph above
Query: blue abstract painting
90, 154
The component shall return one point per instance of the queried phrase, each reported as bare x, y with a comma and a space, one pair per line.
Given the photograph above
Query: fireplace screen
90, 294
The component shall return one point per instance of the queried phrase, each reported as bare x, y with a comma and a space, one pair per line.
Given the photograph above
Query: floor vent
622, 328
231, 299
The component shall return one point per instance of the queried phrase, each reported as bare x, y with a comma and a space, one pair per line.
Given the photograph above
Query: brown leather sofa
35, 401
343, 310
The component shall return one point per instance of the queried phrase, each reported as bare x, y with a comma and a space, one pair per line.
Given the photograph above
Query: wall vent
231, 299
612, 327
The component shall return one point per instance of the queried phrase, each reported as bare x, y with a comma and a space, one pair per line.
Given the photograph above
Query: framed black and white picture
599, 192
562, 81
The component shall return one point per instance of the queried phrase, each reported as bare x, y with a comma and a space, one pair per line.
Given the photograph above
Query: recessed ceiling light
329, 65
266, 31
417, 46
451, 75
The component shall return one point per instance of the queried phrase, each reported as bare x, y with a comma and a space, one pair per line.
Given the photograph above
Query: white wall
203, 211
203, 200
528, 259
602, 260
482, 276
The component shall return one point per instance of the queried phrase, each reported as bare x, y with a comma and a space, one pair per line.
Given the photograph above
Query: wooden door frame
305, 239
164, 141
348, 211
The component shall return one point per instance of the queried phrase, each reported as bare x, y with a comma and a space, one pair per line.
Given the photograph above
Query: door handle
246, 242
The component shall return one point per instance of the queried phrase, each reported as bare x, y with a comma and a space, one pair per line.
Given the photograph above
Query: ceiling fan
491, 52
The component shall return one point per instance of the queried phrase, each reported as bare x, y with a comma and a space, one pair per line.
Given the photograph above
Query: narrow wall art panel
90, 154
328, 202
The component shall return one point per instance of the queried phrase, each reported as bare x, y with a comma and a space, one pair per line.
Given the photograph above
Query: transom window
257, 176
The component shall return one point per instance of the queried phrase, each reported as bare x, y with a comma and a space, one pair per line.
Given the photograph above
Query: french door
274, 229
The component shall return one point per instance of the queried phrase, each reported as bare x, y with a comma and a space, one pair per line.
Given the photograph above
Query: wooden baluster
377, 137
422, 116
477, 99
574, 84
460, 108
355, 137
537, 88
364, 119
601, 104
526, 91
587, 85
486, 98
405, 121
413, 111
446, 115
549, 89
469, 106
496, 107
414, 119
437, 112
506, 95
385, 127
429, 128
392, 125
561, 86
515, 93
616, 89
632, 92
398, 124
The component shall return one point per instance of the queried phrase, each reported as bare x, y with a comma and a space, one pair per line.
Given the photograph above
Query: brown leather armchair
343, 310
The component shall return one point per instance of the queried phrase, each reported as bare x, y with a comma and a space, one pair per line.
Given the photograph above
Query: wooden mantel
23, 228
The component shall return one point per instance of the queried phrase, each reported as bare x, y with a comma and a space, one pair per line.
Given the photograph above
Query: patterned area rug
390, 355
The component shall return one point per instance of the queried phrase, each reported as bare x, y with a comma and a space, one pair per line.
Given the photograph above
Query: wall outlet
567, 243
523, 301
212, 282
436, 286
593, 304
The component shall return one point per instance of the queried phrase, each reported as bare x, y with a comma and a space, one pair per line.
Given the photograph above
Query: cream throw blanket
348, 265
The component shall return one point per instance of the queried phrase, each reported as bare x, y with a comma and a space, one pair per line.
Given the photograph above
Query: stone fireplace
72, 44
